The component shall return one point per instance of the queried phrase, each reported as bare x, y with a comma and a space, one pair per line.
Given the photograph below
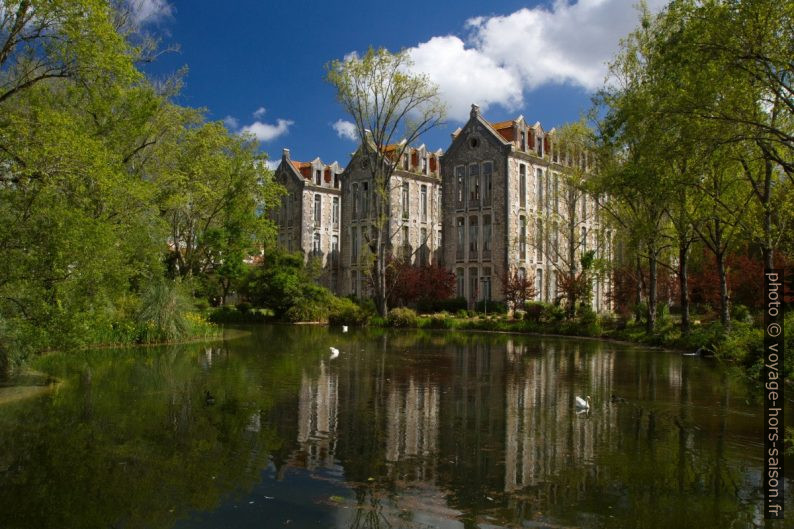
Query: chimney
475, 110
285, 154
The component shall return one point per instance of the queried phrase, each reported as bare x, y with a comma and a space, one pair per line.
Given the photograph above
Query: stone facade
496, 202
309, 217
502, 186
414, 220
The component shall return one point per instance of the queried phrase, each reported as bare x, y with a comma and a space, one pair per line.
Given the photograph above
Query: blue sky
260, 64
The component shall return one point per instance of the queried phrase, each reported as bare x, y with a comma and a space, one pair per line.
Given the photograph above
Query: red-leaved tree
517, 288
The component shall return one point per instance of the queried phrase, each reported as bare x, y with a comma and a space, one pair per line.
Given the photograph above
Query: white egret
334, 352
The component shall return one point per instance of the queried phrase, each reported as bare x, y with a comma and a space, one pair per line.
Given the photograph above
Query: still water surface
402, 430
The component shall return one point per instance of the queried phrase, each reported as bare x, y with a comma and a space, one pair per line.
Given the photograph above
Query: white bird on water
583, 403
334, 352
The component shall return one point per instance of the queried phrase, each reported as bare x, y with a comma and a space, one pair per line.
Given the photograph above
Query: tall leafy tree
388, 103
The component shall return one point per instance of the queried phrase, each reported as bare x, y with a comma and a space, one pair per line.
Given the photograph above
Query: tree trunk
640, 289
683, 285
652, 273
725, 315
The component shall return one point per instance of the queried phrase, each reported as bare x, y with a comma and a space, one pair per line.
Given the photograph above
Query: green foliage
493, 307
227, 314
162, 312
449, 305
401, 317
345, 312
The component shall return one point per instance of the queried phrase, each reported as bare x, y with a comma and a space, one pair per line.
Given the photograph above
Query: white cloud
265, 131
272, 164
259, 112
465, 76
231, 122
144, 11
345, 129
504, 56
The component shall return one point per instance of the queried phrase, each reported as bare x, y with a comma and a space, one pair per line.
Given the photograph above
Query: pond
402, 430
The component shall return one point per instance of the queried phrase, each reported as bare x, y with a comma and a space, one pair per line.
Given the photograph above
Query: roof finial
475, 110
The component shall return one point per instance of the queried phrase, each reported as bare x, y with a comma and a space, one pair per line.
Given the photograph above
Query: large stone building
310, 212
507, 209
414, 222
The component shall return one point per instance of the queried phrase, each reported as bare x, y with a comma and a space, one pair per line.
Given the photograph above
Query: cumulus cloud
231, 122
259, 112
345, 129
145, 11
465, 76
505, 56
266, 132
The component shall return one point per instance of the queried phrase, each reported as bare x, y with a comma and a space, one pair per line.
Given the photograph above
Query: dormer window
539, 145
523, 141
424, 165
318, 177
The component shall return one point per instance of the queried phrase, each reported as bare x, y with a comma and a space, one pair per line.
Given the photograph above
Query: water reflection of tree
129, 438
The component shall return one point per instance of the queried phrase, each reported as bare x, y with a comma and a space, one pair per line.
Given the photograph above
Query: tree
517, 288
387, 103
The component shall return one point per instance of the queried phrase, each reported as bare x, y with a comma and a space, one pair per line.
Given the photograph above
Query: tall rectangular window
539, 189
460, 283
423, 203
354, 283
318, 177
474, 185
522, 186
473, 238
460, 186
556, 242
424, 165
556, 193
487, 183
486, 236
354, 243
539, 145
356, 201
335, 212
522, 238
460, 228
316, 244
439, 247
486, 284
335, 248
474, 286
406, 244
539, 240
406, 210
523, 141
584, 239
318, 208
364, 200
584, 207
336, 180
539, 284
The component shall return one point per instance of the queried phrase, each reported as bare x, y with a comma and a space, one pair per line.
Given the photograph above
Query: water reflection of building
412, 427
543, 432
317, 417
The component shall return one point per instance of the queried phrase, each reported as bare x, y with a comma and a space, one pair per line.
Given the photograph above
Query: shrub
553, 314
533, 311
162, 312
493, 307
742, 313
462, 313
401, 317
244, 307
345, 312
439, 305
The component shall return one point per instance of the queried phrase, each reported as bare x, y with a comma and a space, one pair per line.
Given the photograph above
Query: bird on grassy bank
334, 352
583, 403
